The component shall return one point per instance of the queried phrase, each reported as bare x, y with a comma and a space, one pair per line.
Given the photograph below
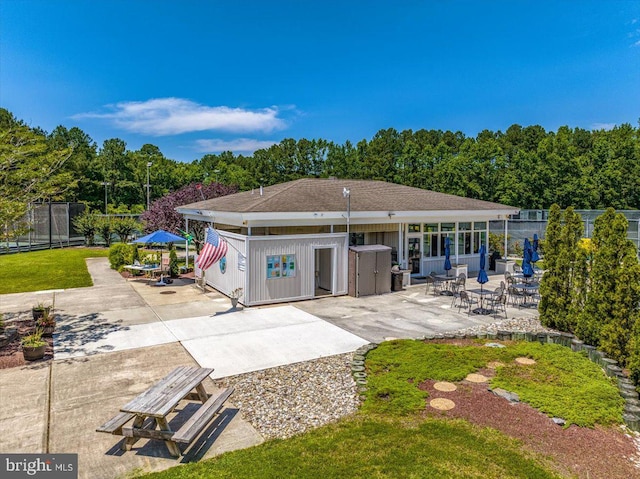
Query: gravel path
287, 400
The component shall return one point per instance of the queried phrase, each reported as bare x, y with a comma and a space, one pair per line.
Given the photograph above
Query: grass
48, 269
364, 447
389, 438
561, 383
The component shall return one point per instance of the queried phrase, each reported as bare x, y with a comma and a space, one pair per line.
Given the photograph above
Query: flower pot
48, 330
38, 313
33, 353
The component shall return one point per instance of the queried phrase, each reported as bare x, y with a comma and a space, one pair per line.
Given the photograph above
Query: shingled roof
312, 194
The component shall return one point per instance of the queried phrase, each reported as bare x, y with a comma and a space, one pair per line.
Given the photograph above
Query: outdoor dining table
150, 270
447, 280
482, 293
529, 290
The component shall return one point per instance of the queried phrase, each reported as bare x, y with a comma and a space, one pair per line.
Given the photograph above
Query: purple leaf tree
162, 212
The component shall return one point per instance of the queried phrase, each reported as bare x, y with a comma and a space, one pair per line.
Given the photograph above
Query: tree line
526, 167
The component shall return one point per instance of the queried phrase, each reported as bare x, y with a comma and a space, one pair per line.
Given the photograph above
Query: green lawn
48, 269
390, 438
363, 447
561, 383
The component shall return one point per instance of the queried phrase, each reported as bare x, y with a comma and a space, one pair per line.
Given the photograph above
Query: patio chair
498, 302
430, 281
467, 301
516, 296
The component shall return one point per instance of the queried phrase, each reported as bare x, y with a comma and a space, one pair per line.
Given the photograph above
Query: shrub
105, 230
174, 268
124, 227
119, 255
87, 225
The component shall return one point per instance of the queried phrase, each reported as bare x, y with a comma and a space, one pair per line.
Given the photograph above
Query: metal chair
467, 301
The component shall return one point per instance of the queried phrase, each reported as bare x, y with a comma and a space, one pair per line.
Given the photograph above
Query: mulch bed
11, 354
574, 451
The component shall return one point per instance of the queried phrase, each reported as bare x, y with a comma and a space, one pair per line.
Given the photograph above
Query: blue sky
196, 76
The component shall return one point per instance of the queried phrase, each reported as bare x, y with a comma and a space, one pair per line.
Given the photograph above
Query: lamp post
105, 183
148, 185
347, 194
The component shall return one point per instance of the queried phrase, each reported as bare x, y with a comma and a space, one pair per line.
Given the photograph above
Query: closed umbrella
527, 269
534, 248
482, 274
447, 253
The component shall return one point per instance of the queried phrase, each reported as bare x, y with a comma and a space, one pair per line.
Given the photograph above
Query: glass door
414, 255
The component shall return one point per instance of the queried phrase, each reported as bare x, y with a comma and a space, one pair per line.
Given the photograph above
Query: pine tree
570, 269
617, 330
551, 281
607, 297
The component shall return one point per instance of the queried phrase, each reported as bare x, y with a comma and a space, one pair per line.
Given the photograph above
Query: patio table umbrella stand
482, 279
160, 237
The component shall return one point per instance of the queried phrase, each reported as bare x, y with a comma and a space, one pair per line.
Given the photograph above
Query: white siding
233, 277
261, 290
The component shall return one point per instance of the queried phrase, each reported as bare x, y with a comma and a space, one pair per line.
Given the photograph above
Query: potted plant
38, 311
47, 323
33, 346
235, 296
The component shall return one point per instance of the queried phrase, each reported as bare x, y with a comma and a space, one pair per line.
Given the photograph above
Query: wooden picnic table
150, 409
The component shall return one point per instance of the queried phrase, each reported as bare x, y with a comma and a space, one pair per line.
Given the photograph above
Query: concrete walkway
118, 337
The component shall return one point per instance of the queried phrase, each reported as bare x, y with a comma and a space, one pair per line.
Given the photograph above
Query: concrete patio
118, 337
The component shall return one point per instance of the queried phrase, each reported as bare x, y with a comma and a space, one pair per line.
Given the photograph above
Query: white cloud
173, 116
603, 126
238, 145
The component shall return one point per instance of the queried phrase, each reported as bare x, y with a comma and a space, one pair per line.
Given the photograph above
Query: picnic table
149, 270
150, 409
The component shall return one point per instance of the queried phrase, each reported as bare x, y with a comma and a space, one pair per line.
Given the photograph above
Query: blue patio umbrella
160, 236
534, 249
527, 269
447, 253
482, 274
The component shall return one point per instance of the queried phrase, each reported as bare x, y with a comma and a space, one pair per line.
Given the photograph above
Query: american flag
214, 249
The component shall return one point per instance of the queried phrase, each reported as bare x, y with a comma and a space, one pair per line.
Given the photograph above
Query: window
464, 242
356, 239
479, 239
414, 228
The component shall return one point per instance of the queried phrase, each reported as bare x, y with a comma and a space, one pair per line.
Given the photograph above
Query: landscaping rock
509, 396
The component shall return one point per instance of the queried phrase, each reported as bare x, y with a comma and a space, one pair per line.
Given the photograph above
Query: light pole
105, 183
347, 194
149, 163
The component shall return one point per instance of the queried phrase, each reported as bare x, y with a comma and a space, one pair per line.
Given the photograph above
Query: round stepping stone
442, 404
495, 365
477, 378
445, 386
525, 361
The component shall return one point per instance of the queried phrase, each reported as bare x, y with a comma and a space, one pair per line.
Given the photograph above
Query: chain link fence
50, 226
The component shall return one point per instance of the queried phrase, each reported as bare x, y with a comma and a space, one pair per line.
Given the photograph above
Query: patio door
325, 277
414, 254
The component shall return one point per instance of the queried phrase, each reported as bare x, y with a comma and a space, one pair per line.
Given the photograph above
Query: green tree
611, 265
551, 304
30, 171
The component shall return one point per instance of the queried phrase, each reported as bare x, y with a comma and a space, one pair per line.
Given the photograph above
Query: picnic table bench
150, 409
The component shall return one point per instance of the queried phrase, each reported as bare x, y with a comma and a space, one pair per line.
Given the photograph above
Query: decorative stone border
7, 335
631, 414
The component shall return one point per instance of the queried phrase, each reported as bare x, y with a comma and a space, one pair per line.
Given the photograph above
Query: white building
290, 241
